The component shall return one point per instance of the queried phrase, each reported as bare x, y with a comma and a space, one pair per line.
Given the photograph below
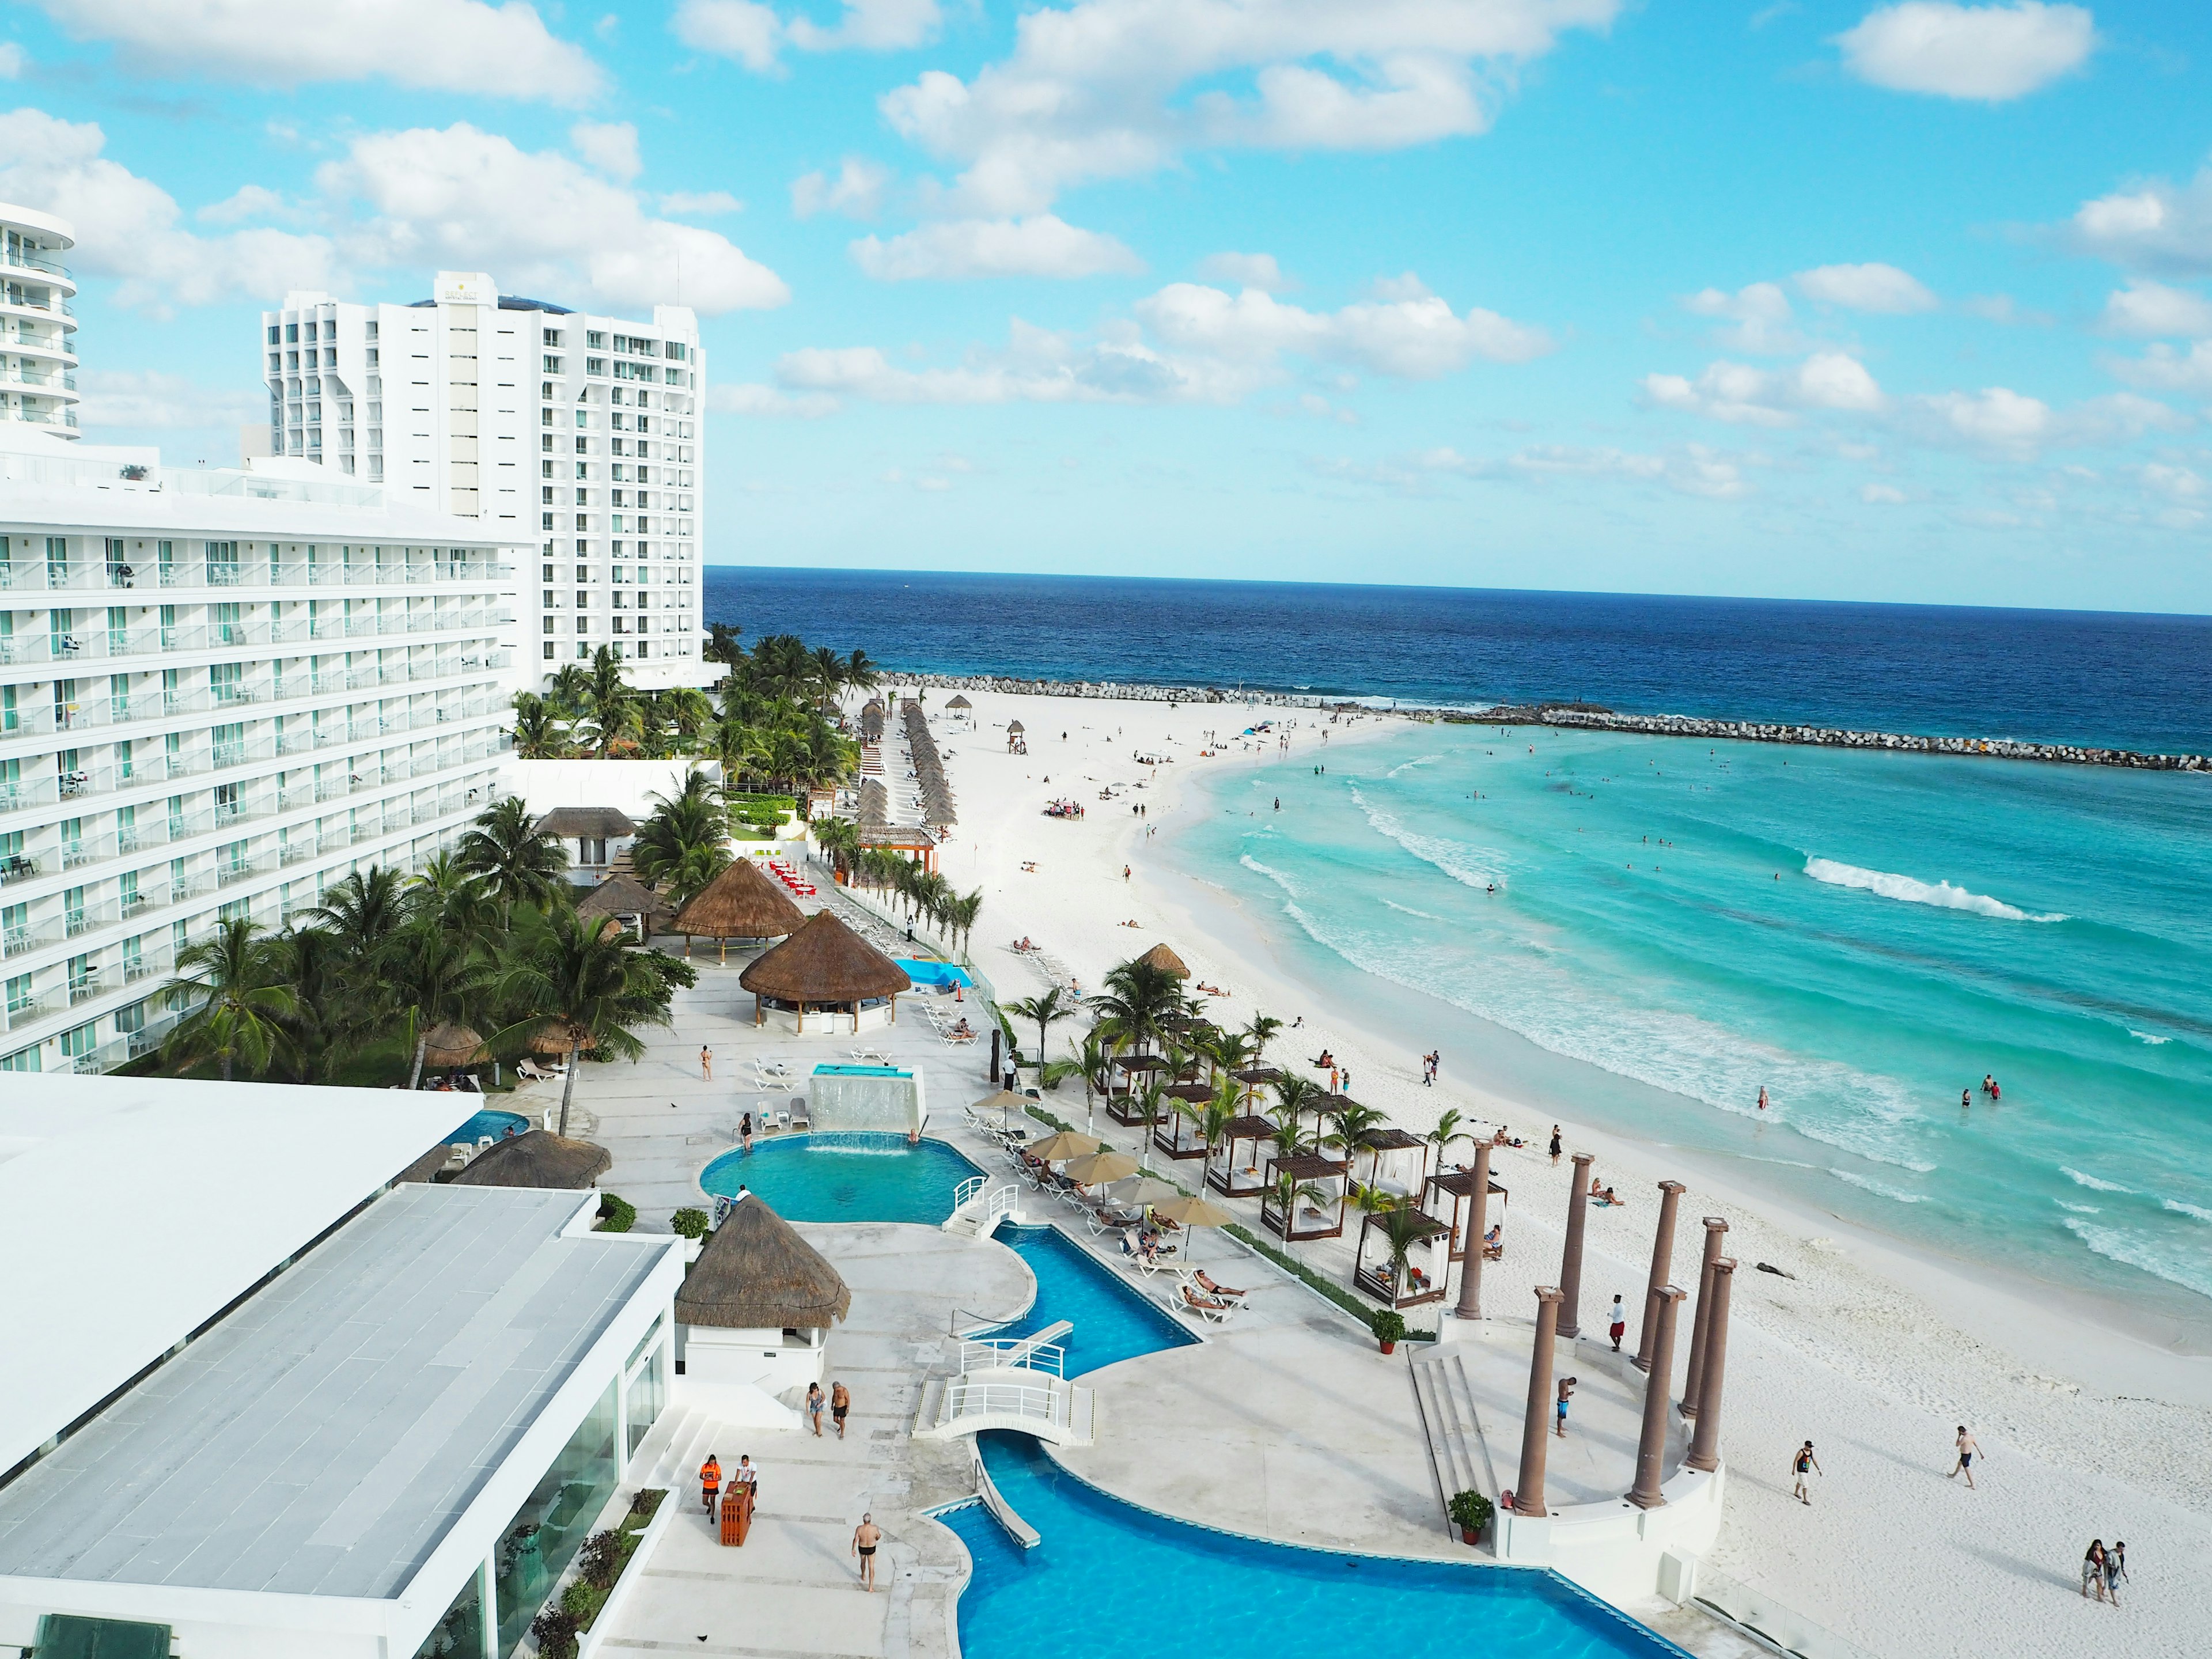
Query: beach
2094, 1416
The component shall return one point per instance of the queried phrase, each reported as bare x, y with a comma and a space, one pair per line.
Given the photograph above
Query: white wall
624, 785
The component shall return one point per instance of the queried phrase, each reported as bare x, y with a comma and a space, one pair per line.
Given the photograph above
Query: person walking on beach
2116, 1568
706, 1062
814, 1404
840, 1403
2093, 1569
1555, 1145
1802, 1462
1966, 1449
1566, 1393
866, 1537
1617, 1322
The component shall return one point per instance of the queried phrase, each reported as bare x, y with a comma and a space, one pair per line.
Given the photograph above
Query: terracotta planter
1389, 1347
1469, 1536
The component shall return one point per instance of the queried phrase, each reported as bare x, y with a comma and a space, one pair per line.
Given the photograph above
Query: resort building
576, 439
358, 1419
38, 358
220, 691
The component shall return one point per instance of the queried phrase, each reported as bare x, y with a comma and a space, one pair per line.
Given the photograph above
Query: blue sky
1890, 302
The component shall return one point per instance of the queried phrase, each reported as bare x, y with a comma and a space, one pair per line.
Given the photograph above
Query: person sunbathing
1212, 1288
1210, 1304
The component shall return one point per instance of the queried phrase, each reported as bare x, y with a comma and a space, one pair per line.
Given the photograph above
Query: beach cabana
1397, 1161
1372, 1270
538, 1158
1226, 1174
590, 829
1446, 1197
827, 970
1166, 960
758, 1303
1123, 1106
1190, 1099
741, 902
959, 705
626, 900
1306, 1221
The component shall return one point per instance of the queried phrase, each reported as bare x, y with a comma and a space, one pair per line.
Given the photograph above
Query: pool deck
1288, 1424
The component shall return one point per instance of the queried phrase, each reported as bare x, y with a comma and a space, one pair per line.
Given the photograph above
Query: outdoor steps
688, 1445
930, 1405
1456, 1449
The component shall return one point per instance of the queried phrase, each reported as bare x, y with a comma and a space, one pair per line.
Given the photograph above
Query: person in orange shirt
710, 1481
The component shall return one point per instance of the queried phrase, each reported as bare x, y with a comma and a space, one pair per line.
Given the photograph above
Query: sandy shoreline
2069, 1405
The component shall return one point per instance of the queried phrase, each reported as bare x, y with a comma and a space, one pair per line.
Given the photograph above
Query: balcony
35, 575
27, 1011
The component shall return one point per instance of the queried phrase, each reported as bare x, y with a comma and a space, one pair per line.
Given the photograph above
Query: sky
1897, 302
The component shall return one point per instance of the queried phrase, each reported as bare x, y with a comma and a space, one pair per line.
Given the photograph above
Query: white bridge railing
1013, 1353
1039, 1405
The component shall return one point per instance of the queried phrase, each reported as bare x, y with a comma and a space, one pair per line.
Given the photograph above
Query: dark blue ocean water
2125, 680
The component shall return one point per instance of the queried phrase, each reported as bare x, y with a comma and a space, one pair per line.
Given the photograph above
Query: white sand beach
1874, 1351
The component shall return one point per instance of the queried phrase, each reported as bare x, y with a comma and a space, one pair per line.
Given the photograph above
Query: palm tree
861, 672
609, 704
362, 911
1261, 1032
685, 844
537, 731
1403, 1226
1296, 1095
1046, 1011
1090, 1060
1289, 1192
1353, 1121
434, 972
518, 865
965, 910
690, 711
1450, 1128
566, 694
1151, 1094
828, 674
1213, 1121
236, 976
578, 982
1139, 996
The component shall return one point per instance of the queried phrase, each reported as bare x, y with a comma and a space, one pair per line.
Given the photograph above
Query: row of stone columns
1557, 1316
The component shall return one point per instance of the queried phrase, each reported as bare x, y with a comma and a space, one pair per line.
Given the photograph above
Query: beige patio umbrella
1059, 1148
1101, 1166
1151, 1190
1193, 1212
1005, 1102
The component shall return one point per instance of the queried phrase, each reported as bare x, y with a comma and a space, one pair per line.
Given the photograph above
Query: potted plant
1389, 1327
1470, 1512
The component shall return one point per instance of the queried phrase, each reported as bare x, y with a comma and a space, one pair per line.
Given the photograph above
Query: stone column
998, 1072
1529, 1493
1705, 1449
1662, 1269
1478, 1219
1570, 1263
1716, 1228
1651, 1450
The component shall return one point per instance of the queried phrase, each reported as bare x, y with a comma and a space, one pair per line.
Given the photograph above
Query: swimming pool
845, 1177
935, 973
1139, 1583
1113, 1318
829, 1069
488, 1123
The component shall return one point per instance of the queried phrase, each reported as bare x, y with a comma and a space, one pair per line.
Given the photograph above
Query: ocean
2120, 680
1644, 933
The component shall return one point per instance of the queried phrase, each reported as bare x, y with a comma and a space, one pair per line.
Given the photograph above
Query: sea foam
2136, 1251
1910, 891
2092, 1181
1860, 1180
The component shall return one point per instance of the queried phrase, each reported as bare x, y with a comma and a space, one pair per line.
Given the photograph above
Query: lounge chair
530, 1072
1206, 1285
797, 1115
1209, 1309
458, 1154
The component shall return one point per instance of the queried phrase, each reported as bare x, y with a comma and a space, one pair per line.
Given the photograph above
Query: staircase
1457, 1450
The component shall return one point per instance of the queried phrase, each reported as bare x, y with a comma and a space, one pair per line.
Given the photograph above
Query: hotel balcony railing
135, 969
26, 1011
99, 645
34, 936
95, 714
16, 868
56, 576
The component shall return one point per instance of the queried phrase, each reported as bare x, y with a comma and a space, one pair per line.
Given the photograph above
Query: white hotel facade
575, 439
220, 691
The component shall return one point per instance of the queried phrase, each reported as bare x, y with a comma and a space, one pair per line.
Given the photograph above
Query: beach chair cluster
952, 1027
1007, 1137
782, 870
1188, 1290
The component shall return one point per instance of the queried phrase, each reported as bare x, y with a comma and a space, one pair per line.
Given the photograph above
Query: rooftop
322, 1438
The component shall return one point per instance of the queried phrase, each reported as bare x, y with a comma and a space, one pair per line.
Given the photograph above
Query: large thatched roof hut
536, 1158
824, 965
1166, 960
619, 898
757, 1273
741, 902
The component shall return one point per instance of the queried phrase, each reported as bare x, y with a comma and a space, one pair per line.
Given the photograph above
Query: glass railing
37, 575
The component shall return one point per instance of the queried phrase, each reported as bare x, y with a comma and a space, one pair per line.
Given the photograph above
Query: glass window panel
460, 1634
648, 1393
549, 1528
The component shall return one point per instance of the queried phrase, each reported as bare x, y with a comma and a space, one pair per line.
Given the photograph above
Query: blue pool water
860, 1070
845, 1177
933, 973
488, 1123
1145, 1585
1113, 1320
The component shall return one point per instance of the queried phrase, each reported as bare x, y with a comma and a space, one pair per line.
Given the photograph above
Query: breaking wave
1909, 890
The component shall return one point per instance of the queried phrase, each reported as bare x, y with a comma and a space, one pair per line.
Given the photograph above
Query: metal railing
1048, 1406
38, 574
1013, 1353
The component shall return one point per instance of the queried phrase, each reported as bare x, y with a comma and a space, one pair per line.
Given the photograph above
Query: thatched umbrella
756, 1275
739, 903
824, 965
1166, 960
1015, 728
537, 1157
623, 896
959, 701
451, 1043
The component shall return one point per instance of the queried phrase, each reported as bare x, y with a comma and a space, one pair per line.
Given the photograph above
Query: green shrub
1470, 1509
643, 1504
1387, 1324
579, 1600
689, 1224
600, 1558
555, 1630
617, 1215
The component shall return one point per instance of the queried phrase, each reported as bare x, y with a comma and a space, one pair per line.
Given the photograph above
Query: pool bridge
978, 1207
1010, 1382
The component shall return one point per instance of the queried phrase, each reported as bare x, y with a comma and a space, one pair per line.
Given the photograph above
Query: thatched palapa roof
1160, 956
622, 896
959, 701
536, 1158
755, 1273
825, 961
586, 823
741, 902
450, 1044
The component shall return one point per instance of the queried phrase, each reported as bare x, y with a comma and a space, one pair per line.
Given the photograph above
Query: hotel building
574, 439
38, 354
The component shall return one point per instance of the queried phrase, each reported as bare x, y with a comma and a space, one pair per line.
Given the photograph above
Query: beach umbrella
1101, 1166
1059, 1148
1006, 1103
1193, 1212
1150, 1190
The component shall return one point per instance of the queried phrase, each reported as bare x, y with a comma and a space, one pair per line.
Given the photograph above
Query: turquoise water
1864, 935
1112, 1318
934, 973
845, 1177
1110, 1577
495, 1124
860, 1070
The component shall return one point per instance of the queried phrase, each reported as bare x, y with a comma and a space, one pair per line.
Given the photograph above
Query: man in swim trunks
1566, 1393
840, 1403
1802, 1462
1966, 1449
866, 1537
1617, 1323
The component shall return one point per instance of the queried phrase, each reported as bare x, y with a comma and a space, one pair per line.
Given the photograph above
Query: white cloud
2176, 483
2161, 368
1881, 494
1744, 396
473, 200
169, 402
1043, 245
1998, 415
754, 35
857, 191
1096, 89
128, 228
2004, 310
701, 204
1876, 287
766, 400
612, 147
1694, 470
250, 201
2152, 309
446, 45
1413, 338
1986, 53
2156, 226
1760, 315
2013, 424
12, 61
1257, 271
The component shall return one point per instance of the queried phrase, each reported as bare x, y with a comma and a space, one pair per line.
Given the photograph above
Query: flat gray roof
322, 1438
